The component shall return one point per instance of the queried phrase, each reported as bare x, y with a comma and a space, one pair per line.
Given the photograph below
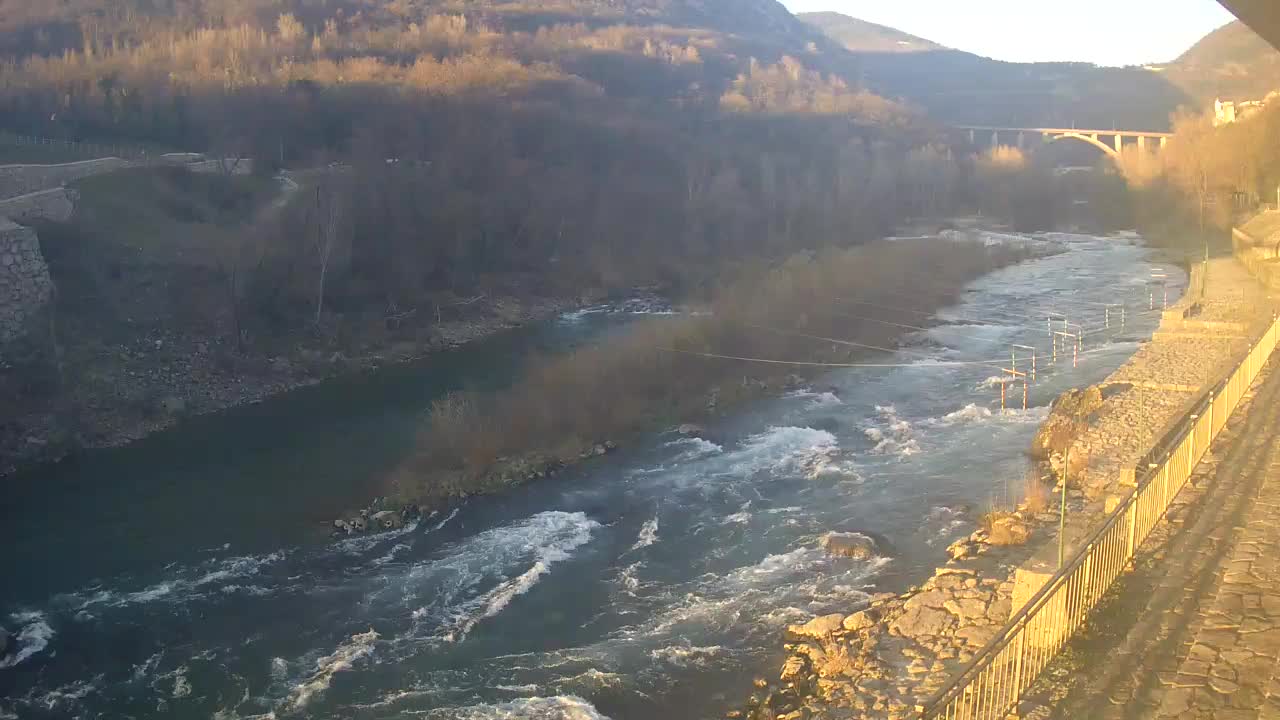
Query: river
191, 576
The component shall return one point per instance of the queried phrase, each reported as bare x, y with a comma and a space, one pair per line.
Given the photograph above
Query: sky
1105, 32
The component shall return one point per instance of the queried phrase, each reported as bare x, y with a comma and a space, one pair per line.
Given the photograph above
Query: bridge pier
1119, 143
1142, 142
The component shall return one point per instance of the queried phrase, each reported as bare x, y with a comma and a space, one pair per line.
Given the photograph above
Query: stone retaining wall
25, 286
56, 205
886, 660
1261, 254
18, 180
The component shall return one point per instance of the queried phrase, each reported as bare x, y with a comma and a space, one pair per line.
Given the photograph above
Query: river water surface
190, 575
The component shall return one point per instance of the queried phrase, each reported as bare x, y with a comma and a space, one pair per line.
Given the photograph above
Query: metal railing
990, 686
89, 150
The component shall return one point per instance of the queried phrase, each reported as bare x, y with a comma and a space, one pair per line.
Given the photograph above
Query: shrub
659, 371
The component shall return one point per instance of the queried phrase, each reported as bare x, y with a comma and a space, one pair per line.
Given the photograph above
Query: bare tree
238, 262
327, 215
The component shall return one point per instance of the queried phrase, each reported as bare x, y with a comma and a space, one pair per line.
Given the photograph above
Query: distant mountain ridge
862, 36
1231, 63
961, 87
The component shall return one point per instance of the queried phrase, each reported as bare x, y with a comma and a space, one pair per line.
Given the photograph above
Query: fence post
1017, 663
1211, 433
1133, 530
1191, 439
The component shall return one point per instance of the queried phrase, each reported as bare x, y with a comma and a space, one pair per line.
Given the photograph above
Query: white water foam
994, 381
32, 638
440, 525
688, 656
391, 554
187, 583
147, 667
358, 646
640, 305
781, 588
537, 543
894, 436
62, 697
362, 543
648, 534
969, 413
561, 707
816, 399
628, 580
988, 237
695, 448
784, 449
942, 522
181, 685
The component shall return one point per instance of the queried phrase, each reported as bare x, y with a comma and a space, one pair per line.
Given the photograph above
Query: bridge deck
1066, 131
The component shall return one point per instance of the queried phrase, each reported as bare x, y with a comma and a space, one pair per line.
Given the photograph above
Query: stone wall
230, 166
18, 180
1257, 246
25, 286
56, 204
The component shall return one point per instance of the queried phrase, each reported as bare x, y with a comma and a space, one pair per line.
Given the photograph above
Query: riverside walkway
1194, 631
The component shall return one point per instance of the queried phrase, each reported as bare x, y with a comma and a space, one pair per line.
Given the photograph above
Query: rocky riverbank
890, 657
127, 390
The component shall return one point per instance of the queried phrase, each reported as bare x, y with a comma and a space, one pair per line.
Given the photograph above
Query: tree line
465, 157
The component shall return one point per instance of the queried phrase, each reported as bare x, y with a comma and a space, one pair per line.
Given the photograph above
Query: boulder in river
850, 545
690, 430
386, 520
819, 628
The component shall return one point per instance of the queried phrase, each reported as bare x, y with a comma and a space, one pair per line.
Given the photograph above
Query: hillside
37, 27
1231, 63
862, 36
472, 162
960, 87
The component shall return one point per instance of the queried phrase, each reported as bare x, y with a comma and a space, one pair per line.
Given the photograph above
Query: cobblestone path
1194, 632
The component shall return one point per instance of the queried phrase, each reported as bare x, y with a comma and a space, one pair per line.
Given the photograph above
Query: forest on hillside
596, 146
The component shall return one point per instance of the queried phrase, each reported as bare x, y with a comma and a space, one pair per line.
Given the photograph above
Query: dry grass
1035, 493
657, 372
1005, 528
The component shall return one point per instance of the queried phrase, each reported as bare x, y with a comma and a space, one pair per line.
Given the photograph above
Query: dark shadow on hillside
961, 88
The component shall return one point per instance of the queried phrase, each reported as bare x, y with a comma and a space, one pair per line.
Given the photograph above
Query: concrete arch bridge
1110, 142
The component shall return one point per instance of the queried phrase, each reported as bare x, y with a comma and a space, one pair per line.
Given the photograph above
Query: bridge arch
1105, 148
